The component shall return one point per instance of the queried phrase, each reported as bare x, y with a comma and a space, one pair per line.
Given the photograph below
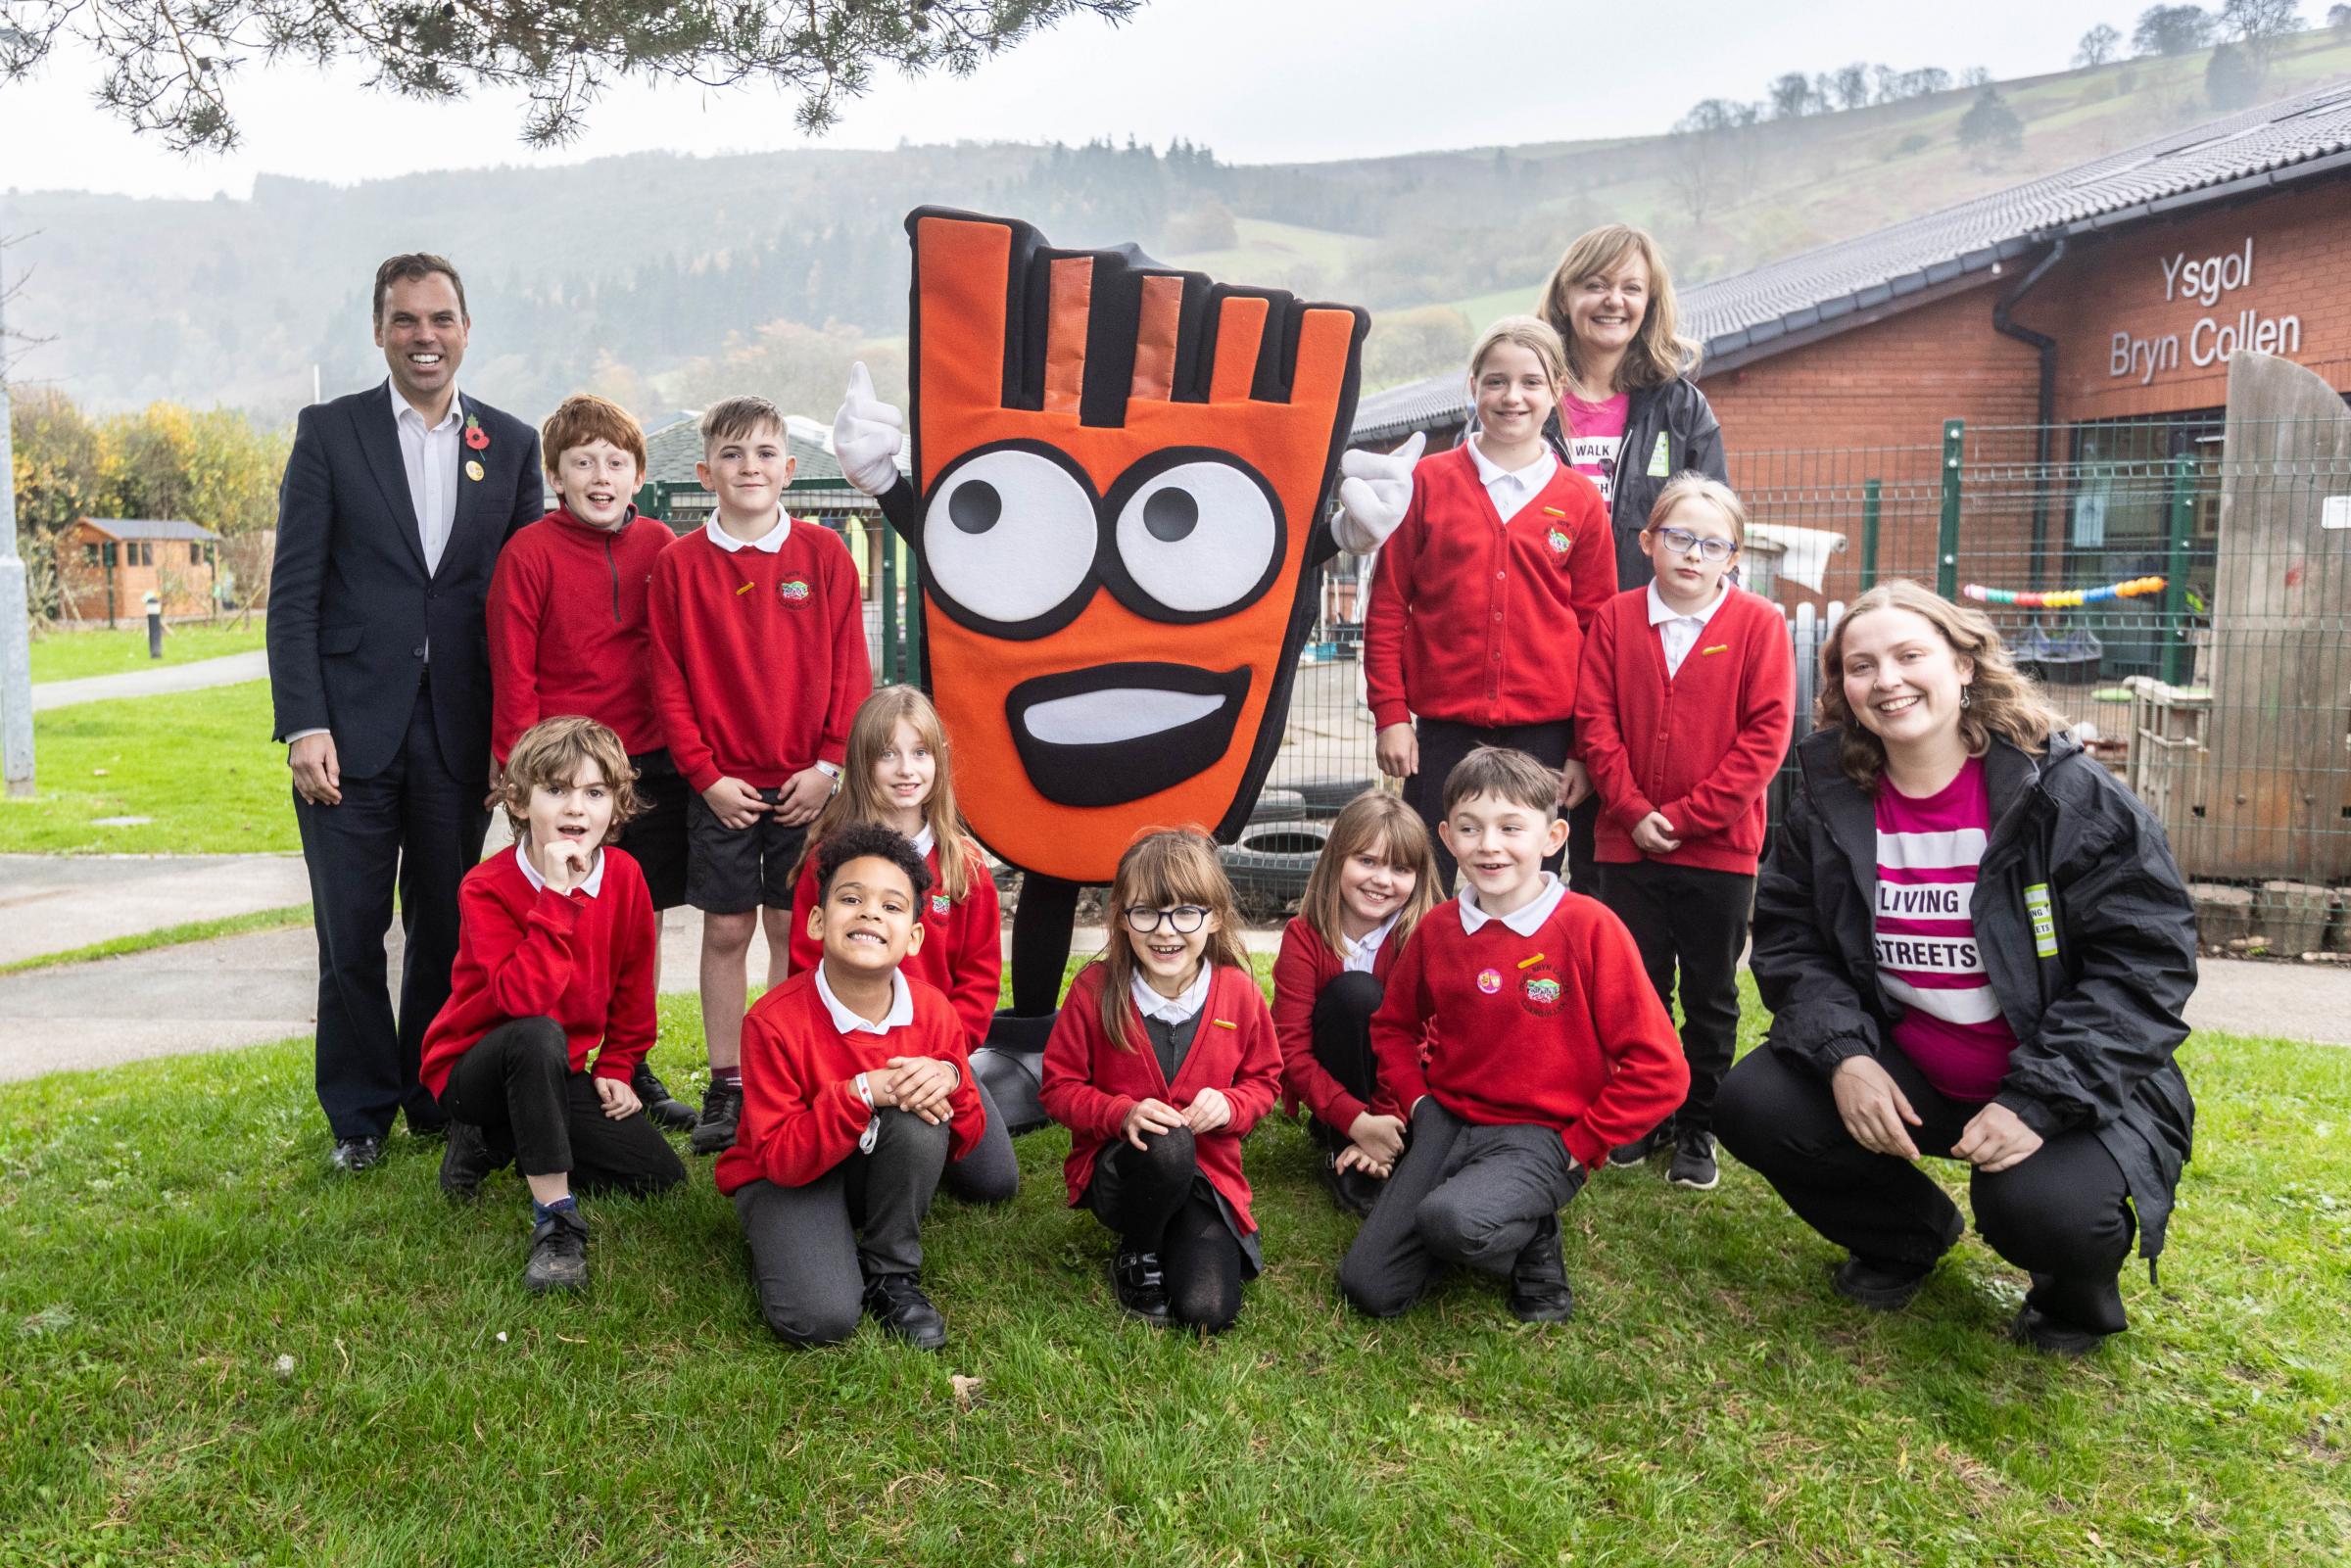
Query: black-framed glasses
1184, 918
1680, 540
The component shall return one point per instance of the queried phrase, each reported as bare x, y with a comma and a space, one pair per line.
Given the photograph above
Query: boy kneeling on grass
856, 1093
554, 959
1545, 1048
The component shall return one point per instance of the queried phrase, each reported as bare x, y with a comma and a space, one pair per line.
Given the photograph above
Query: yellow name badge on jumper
1660, 461
2044, 924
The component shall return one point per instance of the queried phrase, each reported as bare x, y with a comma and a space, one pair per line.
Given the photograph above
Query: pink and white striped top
1928, 965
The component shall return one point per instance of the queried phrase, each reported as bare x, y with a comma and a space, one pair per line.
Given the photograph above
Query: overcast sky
1259, 80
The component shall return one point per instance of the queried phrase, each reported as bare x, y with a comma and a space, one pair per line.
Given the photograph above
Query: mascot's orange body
1120, 479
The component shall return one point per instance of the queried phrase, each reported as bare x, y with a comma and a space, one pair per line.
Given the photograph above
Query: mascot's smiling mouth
1114, 733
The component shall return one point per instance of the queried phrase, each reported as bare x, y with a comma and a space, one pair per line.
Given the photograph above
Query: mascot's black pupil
974, 506
1171, 514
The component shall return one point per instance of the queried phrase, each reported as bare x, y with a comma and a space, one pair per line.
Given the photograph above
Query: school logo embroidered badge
941, 903
793, 591
1489, 980
1558, 543
1540, 990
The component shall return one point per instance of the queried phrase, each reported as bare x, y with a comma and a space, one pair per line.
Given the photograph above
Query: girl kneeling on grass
1162, 1058
1377, 877
555, 945
899, 774
1975, 944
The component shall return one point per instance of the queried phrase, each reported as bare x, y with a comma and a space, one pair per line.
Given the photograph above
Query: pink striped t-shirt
1927, 964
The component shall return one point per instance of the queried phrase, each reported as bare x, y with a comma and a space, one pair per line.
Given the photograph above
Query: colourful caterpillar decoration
2060, 598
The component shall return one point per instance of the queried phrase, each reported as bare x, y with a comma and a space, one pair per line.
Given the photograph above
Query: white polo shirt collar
592, 884
766, 544
1176, 1008
1527, 918
900, 1014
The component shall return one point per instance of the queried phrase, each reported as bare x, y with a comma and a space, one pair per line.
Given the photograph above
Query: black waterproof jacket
1678, 412
2088, 939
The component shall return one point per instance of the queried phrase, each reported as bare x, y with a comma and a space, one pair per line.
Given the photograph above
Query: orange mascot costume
1121, 474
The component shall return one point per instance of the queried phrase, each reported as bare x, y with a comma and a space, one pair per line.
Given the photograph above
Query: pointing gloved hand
1374, 489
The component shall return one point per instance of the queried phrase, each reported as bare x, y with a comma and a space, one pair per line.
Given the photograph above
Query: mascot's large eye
1009, 535
1198, 538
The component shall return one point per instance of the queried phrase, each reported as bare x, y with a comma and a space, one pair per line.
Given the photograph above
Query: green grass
167, 1233
195, 930
200, 765
71, 655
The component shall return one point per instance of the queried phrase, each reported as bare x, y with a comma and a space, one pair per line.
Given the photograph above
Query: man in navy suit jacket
394, 507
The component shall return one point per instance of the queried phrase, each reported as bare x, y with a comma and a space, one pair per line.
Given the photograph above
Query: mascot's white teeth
1116, 714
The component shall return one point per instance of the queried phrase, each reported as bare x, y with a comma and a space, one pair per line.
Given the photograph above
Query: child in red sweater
1161, 1058
1545, 1046
856, 1094
1372, 882
554, 966
568, 634
899, 775
1683, 706
1483, 592
759, 662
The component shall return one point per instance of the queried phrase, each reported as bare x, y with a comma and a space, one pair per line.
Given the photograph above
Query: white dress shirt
900, 1014
1363, 957
767, 543
1510, 489
1678, 630
431, 457
1526, 919
1171, 1008
592, 884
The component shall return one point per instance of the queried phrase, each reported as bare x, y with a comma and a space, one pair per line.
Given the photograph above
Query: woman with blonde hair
1975, 945
1630, 417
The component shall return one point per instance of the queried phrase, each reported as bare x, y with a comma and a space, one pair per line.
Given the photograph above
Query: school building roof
1805, 297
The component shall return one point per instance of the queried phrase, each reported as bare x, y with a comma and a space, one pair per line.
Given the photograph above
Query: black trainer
1135, 1279
558, 1254
1539, 1289
355, 1155
1694, 1163
2052, 1336
666, 1109
714, 1128
1639, 1149
896, 1301
1879, 1284
466, 1163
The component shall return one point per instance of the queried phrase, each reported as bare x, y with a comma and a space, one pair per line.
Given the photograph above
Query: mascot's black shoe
1012, 1065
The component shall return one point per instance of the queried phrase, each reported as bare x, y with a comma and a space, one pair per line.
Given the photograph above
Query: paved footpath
229, 669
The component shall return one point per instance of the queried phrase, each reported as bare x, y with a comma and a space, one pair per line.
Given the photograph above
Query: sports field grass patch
71, 655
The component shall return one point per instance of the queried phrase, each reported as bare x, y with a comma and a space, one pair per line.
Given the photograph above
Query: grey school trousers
1463, 1193
814, 1247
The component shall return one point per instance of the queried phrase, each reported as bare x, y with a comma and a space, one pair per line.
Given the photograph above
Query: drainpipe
2046, 346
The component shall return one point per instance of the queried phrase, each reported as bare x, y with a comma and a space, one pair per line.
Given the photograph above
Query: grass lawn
167, 1234
199, 765
69, 655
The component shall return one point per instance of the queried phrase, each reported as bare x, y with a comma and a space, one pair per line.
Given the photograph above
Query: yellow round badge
473, 470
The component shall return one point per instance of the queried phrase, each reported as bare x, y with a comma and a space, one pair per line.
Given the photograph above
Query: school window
107, 554
89, 554
195, 554
146, 554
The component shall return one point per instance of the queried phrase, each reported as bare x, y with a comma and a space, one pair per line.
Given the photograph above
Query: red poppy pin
475, 436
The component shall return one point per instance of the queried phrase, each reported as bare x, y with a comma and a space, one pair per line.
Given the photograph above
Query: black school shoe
558, 1254
1878, 1284
667, 1110
1139, 1286
1694, 1163
466, 1163
1351, 1191
1539, 1288
1639, 1149
896, 1301
714, 1128
2052, 1336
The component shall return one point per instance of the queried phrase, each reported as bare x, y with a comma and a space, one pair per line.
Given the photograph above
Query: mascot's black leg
1012, 1063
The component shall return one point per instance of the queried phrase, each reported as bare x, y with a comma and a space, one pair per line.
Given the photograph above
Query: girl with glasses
1161, 1058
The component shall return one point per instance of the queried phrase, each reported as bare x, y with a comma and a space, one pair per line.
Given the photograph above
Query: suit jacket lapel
469, 491
379, 439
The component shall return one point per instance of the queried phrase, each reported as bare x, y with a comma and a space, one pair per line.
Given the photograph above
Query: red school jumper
1090, 1083
1479, 621
1305, 965
1560, 1029
568, 629
962, 944
1701, 745
758, 660
801, 1112
524, 952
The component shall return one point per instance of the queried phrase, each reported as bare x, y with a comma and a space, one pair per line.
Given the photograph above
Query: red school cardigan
1479, 621
1305, 966
1090, 1083
962, 944
1700, 747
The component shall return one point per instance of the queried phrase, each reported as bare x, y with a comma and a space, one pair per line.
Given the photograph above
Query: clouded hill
769, 271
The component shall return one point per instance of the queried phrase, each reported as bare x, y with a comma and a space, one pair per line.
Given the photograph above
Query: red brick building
2079, 325
106, 566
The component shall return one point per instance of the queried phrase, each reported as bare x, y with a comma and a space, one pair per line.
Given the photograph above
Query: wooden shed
106, 567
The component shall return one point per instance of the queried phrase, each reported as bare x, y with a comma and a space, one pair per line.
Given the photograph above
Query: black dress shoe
1139, 1286
896, 1301
1879, 1284
1539, 1289
2052, 1336
355, 1155
466, 1163
667, 1110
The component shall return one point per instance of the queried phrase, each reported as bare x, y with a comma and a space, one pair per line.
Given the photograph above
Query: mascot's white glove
1374, 489
867, 434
